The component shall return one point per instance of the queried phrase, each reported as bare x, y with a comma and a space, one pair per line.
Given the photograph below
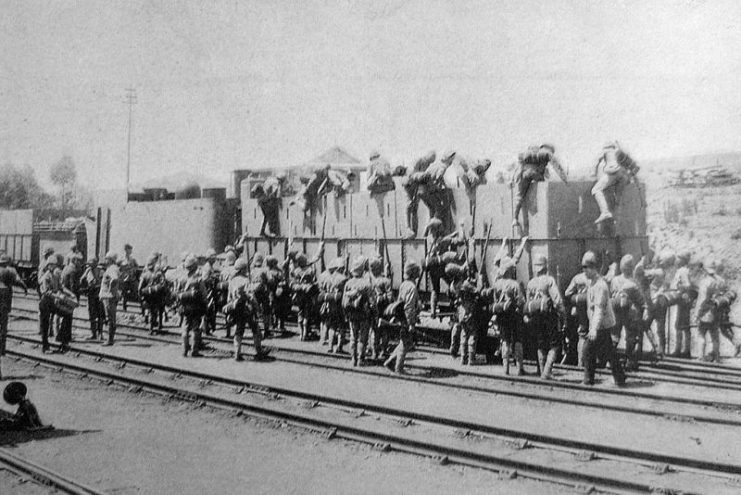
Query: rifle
485, 248
324, 227
386, 248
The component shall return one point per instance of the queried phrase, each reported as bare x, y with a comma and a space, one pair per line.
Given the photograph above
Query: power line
131, 100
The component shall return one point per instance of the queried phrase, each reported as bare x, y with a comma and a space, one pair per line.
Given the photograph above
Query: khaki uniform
109, 296
628, 305
241, 289
357, 303
601, 322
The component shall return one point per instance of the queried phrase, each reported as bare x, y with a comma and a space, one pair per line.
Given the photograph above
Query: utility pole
131, 100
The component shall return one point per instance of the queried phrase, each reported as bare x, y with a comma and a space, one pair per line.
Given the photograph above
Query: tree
64, 174
19, 189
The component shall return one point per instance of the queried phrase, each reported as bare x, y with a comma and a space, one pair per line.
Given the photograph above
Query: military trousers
109, 304
358, 339
601, 347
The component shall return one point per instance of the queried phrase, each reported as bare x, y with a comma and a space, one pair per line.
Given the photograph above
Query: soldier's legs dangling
412, 218
521, 188
598, 191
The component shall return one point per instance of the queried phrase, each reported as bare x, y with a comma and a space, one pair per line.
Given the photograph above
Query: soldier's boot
463, 349
399, 365
361, 354
433, 304
604, 208
541, 361
186, 345
471, 352
331, 335
197, 344
238, 348
390, 363
519, 355
455, 336
323, 333
548, 368
506, 352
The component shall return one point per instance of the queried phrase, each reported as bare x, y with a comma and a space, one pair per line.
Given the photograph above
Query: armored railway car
559, 221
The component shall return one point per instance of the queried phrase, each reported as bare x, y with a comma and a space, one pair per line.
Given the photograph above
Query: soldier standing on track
259, 277
8, 278
211, 279
683, 283
577, 321
357, 301
91, 280
324, 283
304, 289
110, 293
70, 282
614, 170
508, 298
383, 296
465, 289
242, 307
659, 284
152, 291
128, 267
334, 317
710, 287
409, 298
414, 185
628, 306
543, 308
191, 293
278, 292
601, 321
227, 272
532, 166
49, 284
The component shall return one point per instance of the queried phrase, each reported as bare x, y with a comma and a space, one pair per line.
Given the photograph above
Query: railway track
673, 408
511, 453
26, 469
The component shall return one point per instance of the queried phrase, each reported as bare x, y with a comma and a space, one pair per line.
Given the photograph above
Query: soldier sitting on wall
414, 184
379, 174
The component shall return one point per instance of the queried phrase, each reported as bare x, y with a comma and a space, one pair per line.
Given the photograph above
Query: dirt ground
125, 443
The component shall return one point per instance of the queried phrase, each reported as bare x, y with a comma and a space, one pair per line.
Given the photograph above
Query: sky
240, 84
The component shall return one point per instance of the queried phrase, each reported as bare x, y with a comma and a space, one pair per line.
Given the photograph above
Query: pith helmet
710, 264
152, 259
240, 264
111, 256
540, 261
190, 262
358, 265
412, 269
258, 259
627, 263
666, 257
375, 265
271, 261
506, 264
434, 226
301, 260
589, 259
684, 257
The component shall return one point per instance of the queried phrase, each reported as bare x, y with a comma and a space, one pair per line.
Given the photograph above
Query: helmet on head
210, 253
684, 257
375, 265
589, 260
4, 259
627, 264
301, 260
230, 257
240, 265
152, 260
281, 176
358, 265
506, 265
548, 146
454, 271
111, 257
127, 247
190, 262
258, 259
666, 258
271, 261
374, 154
540, 261
412, 270
92, 261
48, 252
14, 392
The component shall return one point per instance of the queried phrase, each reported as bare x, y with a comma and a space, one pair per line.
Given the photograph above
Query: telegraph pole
131, 100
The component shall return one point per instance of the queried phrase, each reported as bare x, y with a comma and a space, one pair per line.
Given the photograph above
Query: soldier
304, 289
576, 327
73, 253
48, 254
259, 277
414, 185
628, 306
465, 292
614, 170
601, 321
242, 308
334, 317
543, 309
710, 287
191, 293
227, 272
49, 285
379, 174
507, 300
441, 252
110, 293
658, 285
357, 300
211, 279
278, 292
129, 267
532, 166
70, 282
324, 283
383, 296
91, 280
682, 282
152, 290
435, 194
322, 180
8, 278
268, 196
408, 298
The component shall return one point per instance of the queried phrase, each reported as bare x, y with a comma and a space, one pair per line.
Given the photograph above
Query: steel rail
488, 377
444, 453
44, 475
